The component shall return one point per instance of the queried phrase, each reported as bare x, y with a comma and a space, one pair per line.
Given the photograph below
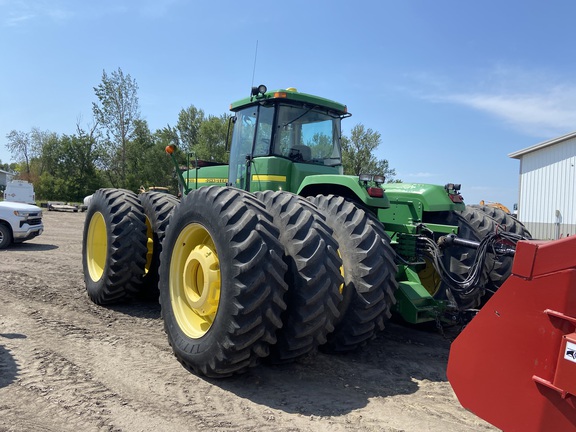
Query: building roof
518, 154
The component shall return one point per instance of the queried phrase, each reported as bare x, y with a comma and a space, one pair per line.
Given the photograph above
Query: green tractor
278, 253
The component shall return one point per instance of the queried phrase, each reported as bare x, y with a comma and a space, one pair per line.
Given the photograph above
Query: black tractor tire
499, 269
369, 273
158, 207
114, 246
472, 225
5, 236
506, 221
313, 277
221, 281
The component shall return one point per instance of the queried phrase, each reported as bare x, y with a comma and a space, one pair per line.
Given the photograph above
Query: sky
452, 87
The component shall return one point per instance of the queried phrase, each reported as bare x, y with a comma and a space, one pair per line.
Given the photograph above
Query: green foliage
33, 150
9, 167
321, 146
200, 136
188, 127
147, 162
358, 154
121, 151
21, 148
211, 143
72, 173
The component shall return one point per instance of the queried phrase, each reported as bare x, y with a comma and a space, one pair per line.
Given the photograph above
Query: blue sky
452, 86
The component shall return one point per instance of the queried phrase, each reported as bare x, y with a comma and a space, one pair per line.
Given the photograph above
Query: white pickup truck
19, 222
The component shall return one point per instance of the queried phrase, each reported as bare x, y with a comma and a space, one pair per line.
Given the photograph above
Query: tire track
139, 367
78, 366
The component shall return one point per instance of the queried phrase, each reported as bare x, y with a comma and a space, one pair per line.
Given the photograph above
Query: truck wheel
158, 207
369, 273
221, 281
498, 269
313, 277
113, 246
5, 236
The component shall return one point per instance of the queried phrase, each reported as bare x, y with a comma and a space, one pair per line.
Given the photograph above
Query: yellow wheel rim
149, 245
96, 246
341, 288
430, 278
194, 281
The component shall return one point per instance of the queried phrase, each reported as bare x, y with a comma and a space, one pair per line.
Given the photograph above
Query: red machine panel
513, 365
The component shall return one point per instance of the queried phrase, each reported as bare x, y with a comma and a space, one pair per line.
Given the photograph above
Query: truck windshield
307, 134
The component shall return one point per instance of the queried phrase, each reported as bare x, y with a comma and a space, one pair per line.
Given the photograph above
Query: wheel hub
195, 282
202, 280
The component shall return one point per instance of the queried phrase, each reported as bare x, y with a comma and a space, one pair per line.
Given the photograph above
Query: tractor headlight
452, 187
379, 179
365, 177
260, 90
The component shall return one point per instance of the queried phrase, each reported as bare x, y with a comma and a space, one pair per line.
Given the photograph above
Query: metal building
546, 204
5, 178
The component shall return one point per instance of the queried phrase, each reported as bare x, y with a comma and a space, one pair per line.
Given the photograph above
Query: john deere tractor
278, 253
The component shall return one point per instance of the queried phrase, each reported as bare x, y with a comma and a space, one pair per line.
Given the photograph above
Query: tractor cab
282, 136
284, 140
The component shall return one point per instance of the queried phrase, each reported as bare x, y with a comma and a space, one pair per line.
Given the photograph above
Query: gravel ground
67, 364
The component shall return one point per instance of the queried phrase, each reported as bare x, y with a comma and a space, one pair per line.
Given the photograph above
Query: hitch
454, 240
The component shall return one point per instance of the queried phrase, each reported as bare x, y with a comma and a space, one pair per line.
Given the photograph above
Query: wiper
300, 116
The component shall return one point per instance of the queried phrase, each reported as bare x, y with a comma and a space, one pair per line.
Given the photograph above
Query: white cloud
538, 103
420, 175
550, 111
18, 12
156, 8
17, 19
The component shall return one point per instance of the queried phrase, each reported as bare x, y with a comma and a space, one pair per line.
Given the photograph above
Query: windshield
307, 134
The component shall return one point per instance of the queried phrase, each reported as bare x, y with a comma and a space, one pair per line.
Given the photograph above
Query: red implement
514, 365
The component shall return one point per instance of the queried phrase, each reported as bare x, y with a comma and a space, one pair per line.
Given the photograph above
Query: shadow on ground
332, 385
8, 365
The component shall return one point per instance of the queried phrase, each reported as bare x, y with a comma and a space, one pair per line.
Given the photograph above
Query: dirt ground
67, 364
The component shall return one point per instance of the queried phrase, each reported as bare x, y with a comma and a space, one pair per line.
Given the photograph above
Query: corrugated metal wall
548, 190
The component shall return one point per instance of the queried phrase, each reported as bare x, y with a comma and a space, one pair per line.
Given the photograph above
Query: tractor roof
290, 94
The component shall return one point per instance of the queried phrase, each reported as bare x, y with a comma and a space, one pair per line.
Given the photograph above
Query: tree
21, 148
149, 165
72, 174
44, 145
116, 113
358, 157
211, 143
194, 133
9, 167
188, 127
33, 151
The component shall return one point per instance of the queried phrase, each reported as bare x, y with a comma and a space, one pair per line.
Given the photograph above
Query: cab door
250, 138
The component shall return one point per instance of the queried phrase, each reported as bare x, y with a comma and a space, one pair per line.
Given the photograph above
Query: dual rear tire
243, 277
114, 246
221, 281
369, 273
